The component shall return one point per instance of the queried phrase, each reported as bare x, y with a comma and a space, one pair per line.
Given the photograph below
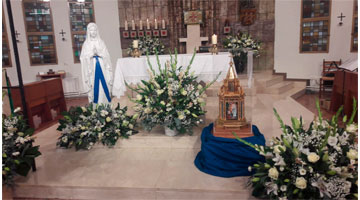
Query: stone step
278, 88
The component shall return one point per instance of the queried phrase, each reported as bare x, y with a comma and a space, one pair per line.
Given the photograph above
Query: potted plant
148, 45
171, 98
238, 46
320, 162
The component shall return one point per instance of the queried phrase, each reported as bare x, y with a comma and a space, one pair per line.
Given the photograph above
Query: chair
328, 76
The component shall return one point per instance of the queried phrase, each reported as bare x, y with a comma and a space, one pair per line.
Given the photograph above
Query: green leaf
296, 191
319, 111
353, 112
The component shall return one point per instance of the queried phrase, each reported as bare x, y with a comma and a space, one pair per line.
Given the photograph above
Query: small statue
96, 67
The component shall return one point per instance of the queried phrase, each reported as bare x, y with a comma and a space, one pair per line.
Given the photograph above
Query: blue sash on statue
99, 76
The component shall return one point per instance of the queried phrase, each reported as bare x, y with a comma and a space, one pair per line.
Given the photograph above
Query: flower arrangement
150, 45
317, 163
172, 97
18, 152
238, 44
84, 126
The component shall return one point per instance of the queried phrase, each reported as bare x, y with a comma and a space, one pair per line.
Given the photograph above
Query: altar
133, 70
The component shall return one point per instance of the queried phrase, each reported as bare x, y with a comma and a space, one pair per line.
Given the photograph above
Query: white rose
302, 171
313, 157
277, 148
300, 183
17, 109
352, 154
138, 97
352, 128
273, 173
332, 141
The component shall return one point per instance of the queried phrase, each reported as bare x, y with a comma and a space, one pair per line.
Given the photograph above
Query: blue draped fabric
226, 157
99, 76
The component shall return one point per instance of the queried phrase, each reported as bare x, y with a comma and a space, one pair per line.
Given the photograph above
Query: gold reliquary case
231, 108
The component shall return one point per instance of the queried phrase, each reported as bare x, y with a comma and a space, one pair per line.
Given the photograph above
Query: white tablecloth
133, 70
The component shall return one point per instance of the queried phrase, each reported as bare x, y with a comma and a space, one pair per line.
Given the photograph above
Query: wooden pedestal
221, 131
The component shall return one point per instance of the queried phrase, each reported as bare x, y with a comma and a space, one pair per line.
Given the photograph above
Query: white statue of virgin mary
97, 73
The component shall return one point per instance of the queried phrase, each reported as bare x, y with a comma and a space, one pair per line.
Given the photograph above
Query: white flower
129, 133
65, 139
352, 154
162, 103
138, 97
273, 173
300, 183
181, 117
199, 87
283, 198
283, 188
17, 109
184, 92
103, 113
131, 126
282, 168
279, 161
125, 123
16, 153
277, 148
147, 110
108, 119
83, 108
332, 141
352, 128
249, 168
302, 171
313, 157
159, 91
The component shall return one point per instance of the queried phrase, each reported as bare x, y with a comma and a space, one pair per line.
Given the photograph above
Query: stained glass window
40, 33
315, 25
354, 34
6, 61
81, 13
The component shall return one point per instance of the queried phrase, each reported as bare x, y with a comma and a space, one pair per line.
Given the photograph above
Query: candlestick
214, 39
147, 24
141, 25
156, 25
126, 26
135, 44
163, 24
133, 25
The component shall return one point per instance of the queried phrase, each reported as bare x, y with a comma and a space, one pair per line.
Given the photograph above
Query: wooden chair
328, 76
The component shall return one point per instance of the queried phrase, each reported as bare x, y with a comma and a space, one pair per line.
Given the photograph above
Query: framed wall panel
315, 26
81, 13
39, 32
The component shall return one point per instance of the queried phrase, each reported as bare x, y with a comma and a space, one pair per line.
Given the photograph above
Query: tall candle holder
135, 53
213, 50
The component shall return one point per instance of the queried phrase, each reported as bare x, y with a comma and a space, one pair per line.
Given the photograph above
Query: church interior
179, 99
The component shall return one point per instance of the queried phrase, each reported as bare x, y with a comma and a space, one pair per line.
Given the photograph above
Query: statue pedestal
225, 131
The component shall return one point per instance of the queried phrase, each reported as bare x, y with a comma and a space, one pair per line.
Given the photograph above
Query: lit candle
141, 25
214, 39
133, 25
147, 24
163, 24
126, 25
135, 44
156, 24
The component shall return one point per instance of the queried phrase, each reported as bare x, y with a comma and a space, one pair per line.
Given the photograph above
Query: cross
17, 36
62, 34
193, 39
341, 18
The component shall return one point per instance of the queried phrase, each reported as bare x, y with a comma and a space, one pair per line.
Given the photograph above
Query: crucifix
193, 19
62, 33
17, 36
341, 18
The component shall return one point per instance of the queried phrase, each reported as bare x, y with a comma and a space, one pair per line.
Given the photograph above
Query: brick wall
215, 14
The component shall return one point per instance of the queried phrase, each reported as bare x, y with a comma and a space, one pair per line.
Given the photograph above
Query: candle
163, 24
135, 44
214, 39
156, 24
147, 24
141, 25
133, 25
126, 25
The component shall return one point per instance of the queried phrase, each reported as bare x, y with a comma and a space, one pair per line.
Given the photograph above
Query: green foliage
172, 97
18, 152
82, 127
317, 163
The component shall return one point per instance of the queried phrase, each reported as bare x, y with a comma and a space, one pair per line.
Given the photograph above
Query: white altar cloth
133, 70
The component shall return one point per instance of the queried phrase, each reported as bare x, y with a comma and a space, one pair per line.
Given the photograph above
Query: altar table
133, 70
